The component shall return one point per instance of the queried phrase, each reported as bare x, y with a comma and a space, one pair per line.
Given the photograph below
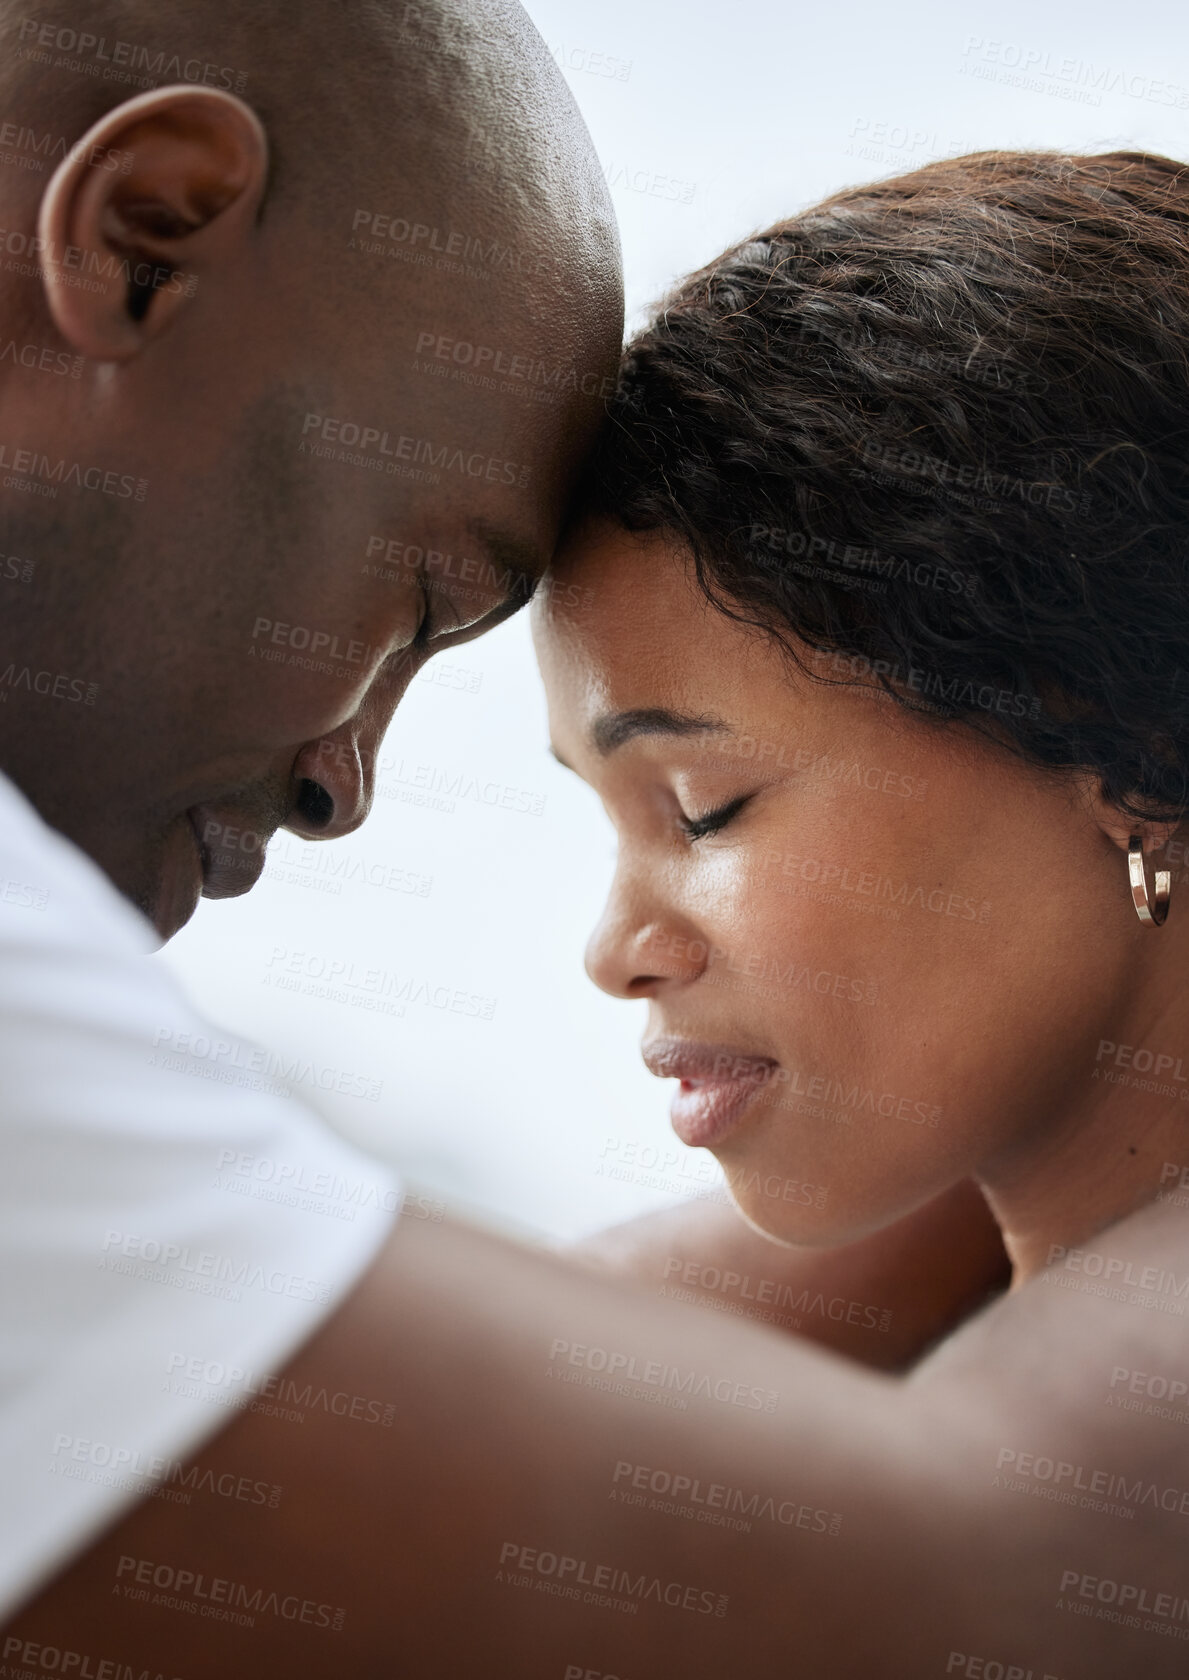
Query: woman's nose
633, 953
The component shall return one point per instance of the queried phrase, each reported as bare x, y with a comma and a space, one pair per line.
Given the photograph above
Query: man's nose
334, 777
334, 783
638, 950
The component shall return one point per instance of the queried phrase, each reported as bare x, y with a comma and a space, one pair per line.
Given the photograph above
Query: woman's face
877, 952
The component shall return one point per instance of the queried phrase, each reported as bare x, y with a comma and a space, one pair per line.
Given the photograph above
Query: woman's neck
1057, 1192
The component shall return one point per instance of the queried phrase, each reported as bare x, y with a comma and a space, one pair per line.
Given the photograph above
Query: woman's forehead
618, 597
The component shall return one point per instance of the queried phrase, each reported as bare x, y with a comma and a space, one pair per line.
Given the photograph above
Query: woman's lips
717, 1085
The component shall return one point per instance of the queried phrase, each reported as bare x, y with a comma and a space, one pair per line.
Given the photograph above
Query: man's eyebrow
615, 729
517, 566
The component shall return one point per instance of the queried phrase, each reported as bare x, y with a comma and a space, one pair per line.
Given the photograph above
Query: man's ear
156, 195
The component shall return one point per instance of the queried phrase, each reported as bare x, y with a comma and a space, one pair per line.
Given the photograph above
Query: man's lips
718, 1083
230, 850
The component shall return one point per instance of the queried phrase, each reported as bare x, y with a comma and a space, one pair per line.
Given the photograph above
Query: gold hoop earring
1150, 910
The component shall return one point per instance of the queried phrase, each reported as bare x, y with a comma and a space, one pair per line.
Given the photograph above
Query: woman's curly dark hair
939, 427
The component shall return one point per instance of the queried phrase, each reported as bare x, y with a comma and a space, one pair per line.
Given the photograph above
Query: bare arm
881, 1301
484, 1533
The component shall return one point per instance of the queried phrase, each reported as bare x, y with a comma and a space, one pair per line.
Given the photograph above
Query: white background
762, 108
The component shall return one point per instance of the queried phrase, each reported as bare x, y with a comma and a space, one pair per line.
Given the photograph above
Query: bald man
245, 251
262, 295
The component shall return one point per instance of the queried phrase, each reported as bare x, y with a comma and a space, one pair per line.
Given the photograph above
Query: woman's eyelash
696, 828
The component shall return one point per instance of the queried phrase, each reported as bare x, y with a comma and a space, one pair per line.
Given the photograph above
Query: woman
878, 665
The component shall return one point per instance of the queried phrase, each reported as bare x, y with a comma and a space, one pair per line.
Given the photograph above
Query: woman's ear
154, 197
1118, 827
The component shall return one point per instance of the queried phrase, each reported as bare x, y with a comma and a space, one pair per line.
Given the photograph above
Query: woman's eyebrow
614, 729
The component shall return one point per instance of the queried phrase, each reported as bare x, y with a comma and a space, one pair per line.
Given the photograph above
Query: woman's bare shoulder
1091, 1320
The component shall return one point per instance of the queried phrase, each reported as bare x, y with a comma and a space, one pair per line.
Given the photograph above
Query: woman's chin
795, 1227
809, 1227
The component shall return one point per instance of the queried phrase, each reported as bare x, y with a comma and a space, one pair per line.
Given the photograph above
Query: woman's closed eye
697, 828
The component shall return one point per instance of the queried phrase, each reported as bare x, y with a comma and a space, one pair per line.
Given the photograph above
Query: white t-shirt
171, 1230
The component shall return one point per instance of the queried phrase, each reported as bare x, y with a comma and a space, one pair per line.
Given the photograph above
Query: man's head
307, 319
